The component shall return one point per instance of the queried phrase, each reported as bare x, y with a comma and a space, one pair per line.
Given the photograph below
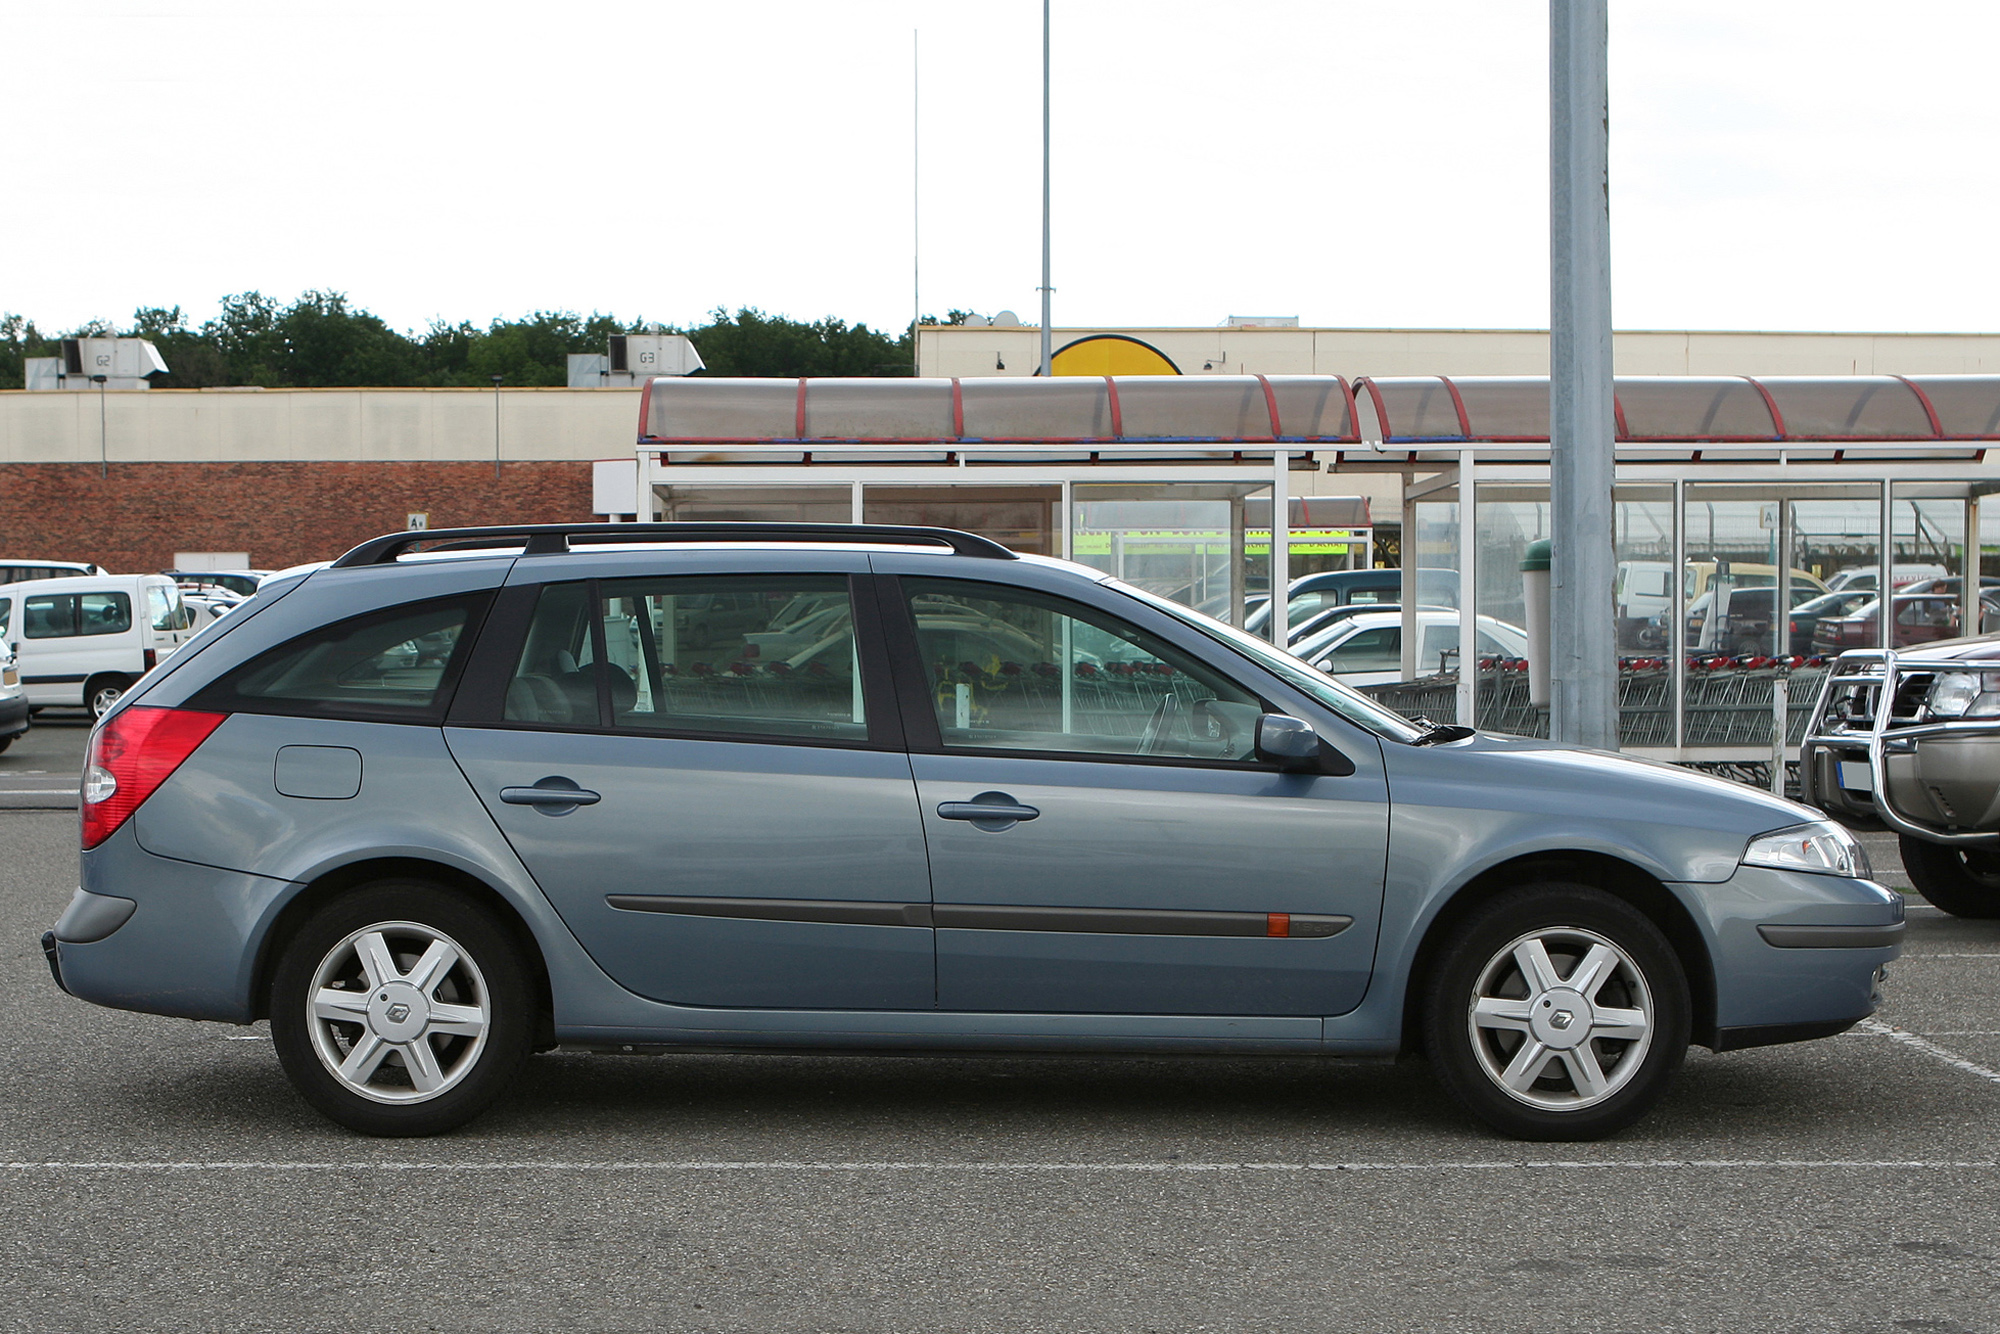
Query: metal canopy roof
1220, 409
1697, 409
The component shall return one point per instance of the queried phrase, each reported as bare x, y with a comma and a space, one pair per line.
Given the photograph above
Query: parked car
422, 868
1930, 774
1945, 584
82, 642
1642, 594
1320, 622
243, 583
1916, 618
1367, 649
1807, 615
20, 571
1870, 576
1313, 593
13, 699
1746, 624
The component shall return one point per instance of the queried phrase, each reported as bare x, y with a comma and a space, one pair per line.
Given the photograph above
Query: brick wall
280, 513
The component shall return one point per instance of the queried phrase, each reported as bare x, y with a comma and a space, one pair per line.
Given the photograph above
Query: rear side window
763, 656
399, 665
65, 615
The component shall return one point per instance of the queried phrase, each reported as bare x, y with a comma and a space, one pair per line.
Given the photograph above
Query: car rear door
1101, 839
718, 826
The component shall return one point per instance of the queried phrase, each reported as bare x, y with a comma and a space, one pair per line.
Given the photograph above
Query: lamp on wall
998, 364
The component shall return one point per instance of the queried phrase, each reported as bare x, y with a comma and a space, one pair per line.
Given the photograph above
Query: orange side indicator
1277, 924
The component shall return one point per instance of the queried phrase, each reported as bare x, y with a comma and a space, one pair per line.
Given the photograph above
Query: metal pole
496, 426
1466, 713
1968, 572
103, 431
1280, 624
1583, 640
1885, 609
1048, 334
916, 210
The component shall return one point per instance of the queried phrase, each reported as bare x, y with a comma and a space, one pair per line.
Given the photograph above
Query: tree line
322, 340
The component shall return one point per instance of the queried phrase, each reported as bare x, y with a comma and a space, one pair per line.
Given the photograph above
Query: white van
81, 642
19, 571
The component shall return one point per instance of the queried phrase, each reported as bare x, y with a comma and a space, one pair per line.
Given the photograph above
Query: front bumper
1796, 956
14, 715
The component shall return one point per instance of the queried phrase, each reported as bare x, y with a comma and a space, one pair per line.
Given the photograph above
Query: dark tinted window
62, 615
395, 664
751, 655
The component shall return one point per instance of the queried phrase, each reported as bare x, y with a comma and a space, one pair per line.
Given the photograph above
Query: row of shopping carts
1727, 701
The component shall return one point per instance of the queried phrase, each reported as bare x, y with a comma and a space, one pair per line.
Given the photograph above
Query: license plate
1855, 777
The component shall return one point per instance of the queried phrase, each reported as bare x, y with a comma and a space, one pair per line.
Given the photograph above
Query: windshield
1350, 704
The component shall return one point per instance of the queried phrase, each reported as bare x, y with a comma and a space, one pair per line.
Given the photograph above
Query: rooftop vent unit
114, 363
632, 359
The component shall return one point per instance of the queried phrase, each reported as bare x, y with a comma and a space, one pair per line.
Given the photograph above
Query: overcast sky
1776, 164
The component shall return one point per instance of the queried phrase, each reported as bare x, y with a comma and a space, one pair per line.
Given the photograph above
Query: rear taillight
152, 658
130, 756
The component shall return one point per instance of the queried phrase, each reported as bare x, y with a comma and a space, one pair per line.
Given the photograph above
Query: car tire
102, 692
1964, 882
397, 985
1501, 1018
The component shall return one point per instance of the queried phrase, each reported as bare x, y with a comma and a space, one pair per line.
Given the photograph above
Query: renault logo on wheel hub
399, 1012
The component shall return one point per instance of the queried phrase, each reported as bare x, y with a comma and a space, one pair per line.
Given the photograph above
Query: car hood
1518, 795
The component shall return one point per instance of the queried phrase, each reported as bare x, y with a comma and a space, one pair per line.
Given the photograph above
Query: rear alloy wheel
102, 693
401, 1009
1557, 1012
1964, 881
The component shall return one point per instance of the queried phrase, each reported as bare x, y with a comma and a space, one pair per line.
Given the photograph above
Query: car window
6, 611
397, 663
50, 616
766, 656
165, 608
1376, 650
1010, 669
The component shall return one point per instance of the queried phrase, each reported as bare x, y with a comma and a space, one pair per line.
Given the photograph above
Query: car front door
1102, 839
719, 826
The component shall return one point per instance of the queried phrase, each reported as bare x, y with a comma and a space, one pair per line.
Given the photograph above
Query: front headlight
1822, 848
1965, 695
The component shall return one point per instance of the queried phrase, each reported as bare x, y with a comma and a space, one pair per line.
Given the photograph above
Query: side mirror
1288, 742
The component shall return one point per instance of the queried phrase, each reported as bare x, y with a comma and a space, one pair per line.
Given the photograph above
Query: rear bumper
14, 715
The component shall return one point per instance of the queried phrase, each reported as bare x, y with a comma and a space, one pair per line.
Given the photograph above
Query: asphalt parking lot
160, 1174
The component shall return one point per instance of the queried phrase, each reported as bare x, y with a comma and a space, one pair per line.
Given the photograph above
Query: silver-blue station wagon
464, 796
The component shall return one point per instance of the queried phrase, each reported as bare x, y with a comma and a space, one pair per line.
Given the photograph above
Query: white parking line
1929, 1048
1102, 1169
1919, 958
39, 791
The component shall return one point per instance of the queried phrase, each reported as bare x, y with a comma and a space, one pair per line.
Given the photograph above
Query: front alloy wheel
1557, 1012
1561, 1019
401, 1009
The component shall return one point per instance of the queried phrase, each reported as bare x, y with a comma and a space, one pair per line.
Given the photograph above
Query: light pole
103, 429
1048, 334
1583, 704
496, 426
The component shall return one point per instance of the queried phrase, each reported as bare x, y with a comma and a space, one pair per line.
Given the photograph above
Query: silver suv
824, 788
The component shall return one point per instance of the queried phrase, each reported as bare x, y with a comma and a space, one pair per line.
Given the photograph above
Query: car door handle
988, 810
552, 796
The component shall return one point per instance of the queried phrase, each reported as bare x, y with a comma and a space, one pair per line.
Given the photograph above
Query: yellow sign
1111, 354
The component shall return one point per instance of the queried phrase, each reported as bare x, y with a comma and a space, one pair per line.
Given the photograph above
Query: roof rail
549, 539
